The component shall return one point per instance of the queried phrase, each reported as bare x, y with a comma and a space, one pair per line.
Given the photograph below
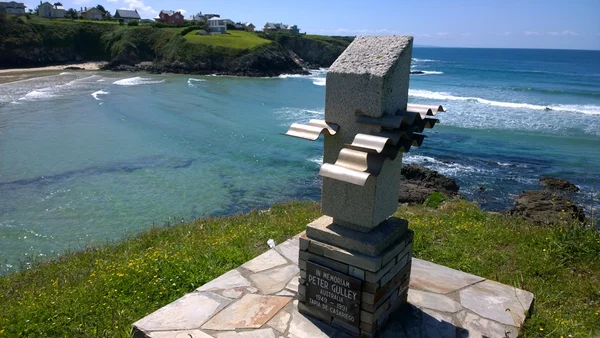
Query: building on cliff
280, 27
17, 8
170, 17
91, 13
217, 25
48, 10
127, 15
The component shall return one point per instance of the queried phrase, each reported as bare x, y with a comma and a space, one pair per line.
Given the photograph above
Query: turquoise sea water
87, 157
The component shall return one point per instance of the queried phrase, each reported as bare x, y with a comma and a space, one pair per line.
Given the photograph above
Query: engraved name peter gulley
339, 286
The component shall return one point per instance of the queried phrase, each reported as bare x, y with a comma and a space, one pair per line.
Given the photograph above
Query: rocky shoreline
551, 205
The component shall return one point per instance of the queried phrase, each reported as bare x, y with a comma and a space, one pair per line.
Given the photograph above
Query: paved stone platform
258, 300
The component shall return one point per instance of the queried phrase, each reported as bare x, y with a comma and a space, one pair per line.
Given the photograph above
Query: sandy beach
84, 66
18, 74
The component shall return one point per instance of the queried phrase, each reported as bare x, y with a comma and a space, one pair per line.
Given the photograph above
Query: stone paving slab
259, 300
436, 278
186, 313
250, 312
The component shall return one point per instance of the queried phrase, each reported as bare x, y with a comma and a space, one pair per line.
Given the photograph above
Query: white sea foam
291, 115
423, 60
319, 81
135, 81
318, 160
285, 76
451, 169
191, 81
100, 92
37, 95
584, 109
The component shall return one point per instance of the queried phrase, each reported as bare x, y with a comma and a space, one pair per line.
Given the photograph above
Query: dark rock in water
419, 182
560, 184
544, 207
73, 68
417, 72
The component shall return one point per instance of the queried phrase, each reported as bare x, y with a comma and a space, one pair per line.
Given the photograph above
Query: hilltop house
248, 26
12, 7
198, 17
210, 16
48, 10
127, 15
170, 17
280, 27
91, 13
217, 25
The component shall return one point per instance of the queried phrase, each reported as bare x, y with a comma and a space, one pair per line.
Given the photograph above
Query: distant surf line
583, 109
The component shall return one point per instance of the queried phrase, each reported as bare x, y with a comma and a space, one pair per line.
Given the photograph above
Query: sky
560, 24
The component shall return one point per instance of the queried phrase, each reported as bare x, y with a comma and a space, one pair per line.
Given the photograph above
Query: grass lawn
233, 39
101, 291
329, 39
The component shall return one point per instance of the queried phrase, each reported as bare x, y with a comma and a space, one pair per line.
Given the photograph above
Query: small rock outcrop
545, 207
558, 184
419, 182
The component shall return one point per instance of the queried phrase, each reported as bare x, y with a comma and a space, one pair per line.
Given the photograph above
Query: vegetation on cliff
40, 42
101, 291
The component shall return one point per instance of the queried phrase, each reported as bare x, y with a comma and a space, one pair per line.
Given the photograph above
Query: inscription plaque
334, 293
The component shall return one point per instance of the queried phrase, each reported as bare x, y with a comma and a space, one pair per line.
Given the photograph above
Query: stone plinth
442, 302
348, 280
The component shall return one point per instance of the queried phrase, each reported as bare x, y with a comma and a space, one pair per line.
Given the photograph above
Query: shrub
435, 200
191, 29
132, 23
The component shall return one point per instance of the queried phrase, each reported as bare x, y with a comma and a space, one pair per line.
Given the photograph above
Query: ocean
90, 157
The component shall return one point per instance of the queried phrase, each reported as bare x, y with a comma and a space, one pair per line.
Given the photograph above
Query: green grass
233, 39
560, 265
340, 41
102, 291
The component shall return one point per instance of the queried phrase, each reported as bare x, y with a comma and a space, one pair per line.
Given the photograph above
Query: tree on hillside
71, 14
57, 4
101, 8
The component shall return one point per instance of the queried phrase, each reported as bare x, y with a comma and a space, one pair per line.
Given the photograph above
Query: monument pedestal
352, 279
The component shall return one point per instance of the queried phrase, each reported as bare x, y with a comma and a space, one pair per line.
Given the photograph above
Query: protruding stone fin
344, 174
369, 143
312, 130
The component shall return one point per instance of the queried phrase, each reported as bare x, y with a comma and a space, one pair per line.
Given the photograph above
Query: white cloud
505, 34
442, 34
529, 33
563, 33
144, 10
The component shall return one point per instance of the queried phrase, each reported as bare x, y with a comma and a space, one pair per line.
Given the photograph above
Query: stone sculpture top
368, 123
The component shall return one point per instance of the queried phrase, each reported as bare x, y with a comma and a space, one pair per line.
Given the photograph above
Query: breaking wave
583, 109
320, 81
135, 81
191, 81
100, 92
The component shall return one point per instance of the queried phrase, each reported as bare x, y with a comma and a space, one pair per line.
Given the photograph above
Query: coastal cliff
39, 42
315, 50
